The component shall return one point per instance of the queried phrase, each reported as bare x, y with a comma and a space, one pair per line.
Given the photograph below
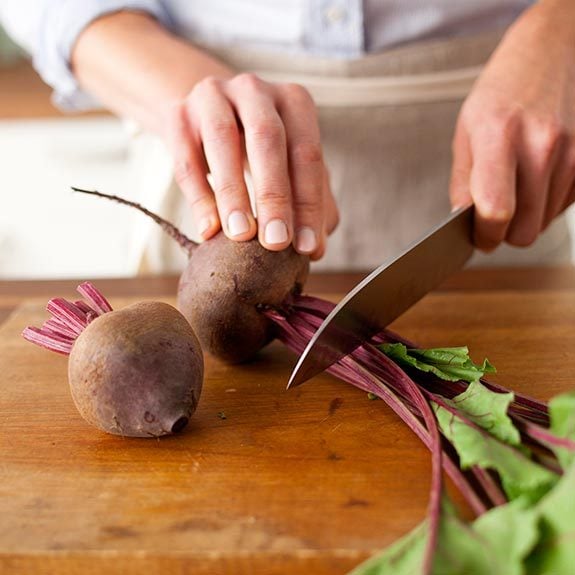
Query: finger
221, 143
537, 156
306, 168
562, 182
570, 200
190, 172
331, 219
331, 209
459, 192
492, 186
266, 152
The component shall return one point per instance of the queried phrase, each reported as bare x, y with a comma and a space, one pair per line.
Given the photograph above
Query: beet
134, 372
225, 286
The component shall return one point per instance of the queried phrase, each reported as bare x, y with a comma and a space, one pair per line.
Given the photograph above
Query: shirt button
334, 14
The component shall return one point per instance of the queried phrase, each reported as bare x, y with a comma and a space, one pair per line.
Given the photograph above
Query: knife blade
387, 292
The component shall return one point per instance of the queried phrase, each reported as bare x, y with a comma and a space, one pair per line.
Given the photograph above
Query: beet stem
542, 435
68, 314
186, 243
353, 373
68, 320
492, 490
47, 340
370, 370
95, 298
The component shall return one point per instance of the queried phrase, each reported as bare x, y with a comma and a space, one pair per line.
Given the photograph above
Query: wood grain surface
263, 481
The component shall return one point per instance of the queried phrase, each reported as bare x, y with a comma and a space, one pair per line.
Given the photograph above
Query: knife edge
373, 304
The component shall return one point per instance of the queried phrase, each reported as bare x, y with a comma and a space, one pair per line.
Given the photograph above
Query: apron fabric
387, 122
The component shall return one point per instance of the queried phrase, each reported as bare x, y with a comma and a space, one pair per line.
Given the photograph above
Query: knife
388, 292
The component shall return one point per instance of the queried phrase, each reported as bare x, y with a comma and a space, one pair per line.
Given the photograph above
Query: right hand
224, 125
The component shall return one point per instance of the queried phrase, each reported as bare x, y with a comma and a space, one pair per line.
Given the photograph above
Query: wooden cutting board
263, 481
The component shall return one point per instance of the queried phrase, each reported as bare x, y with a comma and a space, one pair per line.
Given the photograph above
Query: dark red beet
135, 372
138, 371
226, 284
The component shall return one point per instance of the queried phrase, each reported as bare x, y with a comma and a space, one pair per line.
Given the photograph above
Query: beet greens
510, 456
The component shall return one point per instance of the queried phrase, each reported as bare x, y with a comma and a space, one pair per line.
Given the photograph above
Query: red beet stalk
69, 319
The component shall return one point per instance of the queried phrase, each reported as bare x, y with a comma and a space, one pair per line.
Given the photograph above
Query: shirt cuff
62, 24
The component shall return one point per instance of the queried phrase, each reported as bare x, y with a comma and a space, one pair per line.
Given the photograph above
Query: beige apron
387, 122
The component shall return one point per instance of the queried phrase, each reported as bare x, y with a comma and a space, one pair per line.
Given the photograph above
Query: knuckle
505, 126
228, 190
182, 171
310, 205
201, 204
207, 85
221, 131
499, 126
273, 196
305, 153
266, 133
549, 137
248, 81
296, 93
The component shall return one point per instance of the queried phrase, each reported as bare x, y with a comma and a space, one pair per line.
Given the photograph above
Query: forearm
138, 69
553, 18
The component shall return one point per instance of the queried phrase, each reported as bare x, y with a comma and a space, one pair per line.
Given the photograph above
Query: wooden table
263, 481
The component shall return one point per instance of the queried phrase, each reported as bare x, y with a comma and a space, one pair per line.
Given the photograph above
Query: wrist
138, 68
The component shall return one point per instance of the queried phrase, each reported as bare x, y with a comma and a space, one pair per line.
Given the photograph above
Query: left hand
514, 145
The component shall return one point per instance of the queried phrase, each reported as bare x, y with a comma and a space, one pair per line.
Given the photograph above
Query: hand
514, 145
228, 124
221, 125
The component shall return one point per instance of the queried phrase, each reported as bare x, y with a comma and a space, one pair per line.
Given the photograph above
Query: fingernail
276, 232
238, 223
306, 242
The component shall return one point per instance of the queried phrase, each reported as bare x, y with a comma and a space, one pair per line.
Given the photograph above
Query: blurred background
46, 231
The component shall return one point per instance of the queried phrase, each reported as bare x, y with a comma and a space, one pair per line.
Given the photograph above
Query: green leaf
510, 533
404, 557
449, 363
562, 415
519, 475
496, 544
555, 552
488, 410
